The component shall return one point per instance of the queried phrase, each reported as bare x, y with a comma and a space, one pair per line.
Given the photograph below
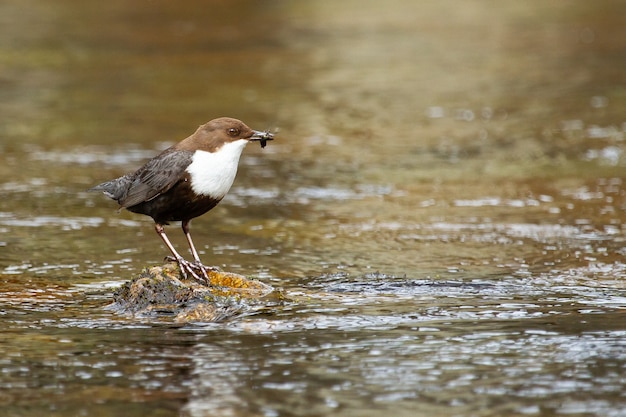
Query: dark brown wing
157, 176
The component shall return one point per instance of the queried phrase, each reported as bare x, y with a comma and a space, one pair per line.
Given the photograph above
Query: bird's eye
233, 131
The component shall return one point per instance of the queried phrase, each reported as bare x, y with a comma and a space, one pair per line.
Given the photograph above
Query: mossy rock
161, 292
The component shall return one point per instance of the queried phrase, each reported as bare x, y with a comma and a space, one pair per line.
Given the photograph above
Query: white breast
213, 173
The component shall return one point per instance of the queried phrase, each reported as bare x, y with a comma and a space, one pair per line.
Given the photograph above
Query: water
443, 205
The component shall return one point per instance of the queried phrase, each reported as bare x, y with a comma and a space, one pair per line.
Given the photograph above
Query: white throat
213, 173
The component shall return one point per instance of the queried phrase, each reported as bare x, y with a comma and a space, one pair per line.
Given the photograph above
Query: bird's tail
114, 189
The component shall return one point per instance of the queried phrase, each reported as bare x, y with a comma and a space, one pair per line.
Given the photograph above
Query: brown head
212, 135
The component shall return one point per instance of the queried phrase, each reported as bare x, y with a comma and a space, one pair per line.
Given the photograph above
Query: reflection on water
443, 204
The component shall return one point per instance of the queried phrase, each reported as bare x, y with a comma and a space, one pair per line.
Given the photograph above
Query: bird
185, 181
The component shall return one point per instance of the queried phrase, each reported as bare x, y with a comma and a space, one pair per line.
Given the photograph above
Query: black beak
262, 137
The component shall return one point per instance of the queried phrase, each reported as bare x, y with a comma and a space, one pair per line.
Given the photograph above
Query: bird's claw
196, 270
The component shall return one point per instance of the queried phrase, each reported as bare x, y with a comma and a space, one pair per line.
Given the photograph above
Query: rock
160, 292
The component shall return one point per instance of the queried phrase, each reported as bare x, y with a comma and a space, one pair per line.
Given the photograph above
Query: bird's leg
186, 267
194, 252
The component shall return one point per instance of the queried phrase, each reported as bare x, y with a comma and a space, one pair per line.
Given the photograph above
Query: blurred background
453, 169
384, 114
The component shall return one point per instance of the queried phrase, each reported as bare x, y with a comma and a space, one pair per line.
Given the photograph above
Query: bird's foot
207, 268
196, 270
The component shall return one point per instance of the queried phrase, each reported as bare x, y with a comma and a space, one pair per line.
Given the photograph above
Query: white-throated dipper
185, 181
